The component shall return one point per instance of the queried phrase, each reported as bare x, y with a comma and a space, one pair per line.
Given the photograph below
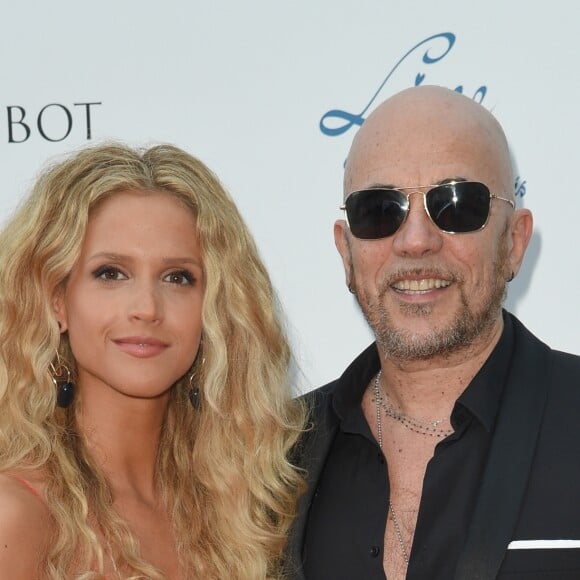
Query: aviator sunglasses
456, 207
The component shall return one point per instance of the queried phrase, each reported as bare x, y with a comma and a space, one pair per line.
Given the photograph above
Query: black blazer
531, 485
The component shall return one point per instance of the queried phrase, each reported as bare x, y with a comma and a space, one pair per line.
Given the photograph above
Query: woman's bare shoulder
25, 528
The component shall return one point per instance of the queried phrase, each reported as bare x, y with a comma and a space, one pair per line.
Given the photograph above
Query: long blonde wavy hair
223, 471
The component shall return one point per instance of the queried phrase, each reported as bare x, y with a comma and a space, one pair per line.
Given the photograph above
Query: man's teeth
421, 285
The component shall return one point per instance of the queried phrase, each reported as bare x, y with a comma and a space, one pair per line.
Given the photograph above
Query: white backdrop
244, 86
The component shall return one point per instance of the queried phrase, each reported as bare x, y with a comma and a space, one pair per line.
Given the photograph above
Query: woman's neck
122, 434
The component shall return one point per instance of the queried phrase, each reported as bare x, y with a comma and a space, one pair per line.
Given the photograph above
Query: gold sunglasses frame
406, 208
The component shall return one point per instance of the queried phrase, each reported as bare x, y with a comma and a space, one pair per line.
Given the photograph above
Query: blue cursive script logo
336, 121
520, 186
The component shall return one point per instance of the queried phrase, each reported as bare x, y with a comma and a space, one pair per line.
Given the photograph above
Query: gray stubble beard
466, 327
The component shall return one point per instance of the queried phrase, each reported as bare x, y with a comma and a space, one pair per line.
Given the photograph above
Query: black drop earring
194, 392
195, 397
65, 394
61, 377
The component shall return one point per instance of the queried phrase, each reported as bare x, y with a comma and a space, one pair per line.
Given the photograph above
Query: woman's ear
59, 308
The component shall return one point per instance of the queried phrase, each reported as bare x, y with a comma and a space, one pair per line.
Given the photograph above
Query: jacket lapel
510, 459
313, 455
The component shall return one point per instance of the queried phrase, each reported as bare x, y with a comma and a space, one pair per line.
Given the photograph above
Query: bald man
450, 448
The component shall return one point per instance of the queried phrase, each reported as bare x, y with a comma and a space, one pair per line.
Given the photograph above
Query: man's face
424, 292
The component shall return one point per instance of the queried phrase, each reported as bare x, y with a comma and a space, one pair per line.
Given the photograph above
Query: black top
346, 522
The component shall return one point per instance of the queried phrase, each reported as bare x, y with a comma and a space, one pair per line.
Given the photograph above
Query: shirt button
374, 551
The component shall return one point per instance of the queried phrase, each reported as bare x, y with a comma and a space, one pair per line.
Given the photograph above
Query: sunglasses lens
459, 207
375, 213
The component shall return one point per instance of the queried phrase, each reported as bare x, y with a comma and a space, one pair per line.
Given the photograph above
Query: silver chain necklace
430, 428
380, 440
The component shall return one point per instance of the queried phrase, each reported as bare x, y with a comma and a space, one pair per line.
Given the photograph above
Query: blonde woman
145, 416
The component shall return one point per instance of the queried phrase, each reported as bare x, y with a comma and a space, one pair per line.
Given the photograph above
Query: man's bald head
425, 134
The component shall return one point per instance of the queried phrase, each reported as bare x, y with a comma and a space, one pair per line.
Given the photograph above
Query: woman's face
132, 303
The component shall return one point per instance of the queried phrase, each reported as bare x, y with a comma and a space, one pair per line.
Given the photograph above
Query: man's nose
418, 235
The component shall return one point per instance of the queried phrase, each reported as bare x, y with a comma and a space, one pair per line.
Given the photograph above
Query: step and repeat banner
269, 94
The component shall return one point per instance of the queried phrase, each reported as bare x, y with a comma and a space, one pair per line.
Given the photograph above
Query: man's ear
521, 228
59, 308
343, 247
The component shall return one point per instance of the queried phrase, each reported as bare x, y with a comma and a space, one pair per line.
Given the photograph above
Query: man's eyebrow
450, 179
392, 186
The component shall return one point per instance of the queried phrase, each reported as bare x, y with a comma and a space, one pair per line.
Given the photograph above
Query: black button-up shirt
346, 524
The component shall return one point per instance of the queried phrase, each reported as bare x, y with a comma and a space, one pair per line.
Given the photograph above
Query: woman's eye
109, 273
180, 277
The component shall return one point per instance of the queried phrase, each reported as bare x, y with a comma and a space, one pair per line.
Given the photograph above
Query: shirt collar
483, 394
481, 397
354, 381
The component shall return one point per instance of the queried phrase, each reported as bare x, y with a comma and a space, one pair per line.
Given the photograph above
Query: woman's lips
141, 346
